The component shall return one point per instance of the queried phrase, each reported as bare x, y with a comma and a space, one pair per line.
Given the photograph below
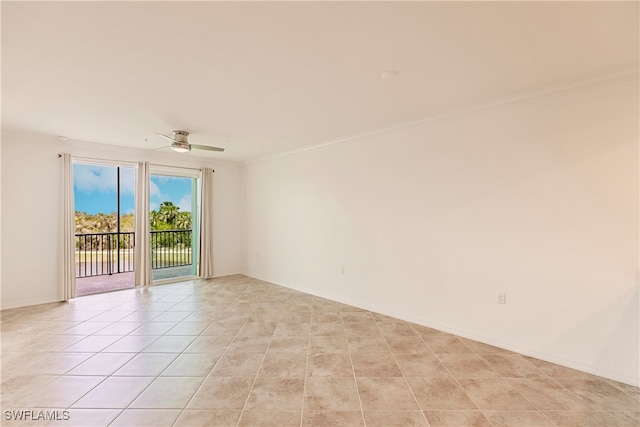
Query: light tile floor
236, 351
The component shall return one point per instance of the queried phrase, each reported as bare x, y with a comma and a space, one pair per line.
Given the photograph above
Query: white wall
30, 211
536, 198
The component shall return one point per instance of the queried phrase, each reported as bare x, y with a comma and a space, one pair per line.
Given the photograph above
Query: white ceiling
261, 78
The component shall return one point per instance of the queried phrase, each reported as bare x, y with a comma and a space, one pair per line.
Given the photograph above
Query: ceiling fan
180, 142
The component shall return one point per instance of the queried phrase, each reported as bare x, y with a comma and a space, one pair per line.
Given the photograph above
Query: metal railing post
170, 248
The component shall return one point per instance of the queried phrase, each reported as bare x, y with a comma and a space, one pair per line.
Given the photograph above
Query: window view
171, 218
104, 198
104, 227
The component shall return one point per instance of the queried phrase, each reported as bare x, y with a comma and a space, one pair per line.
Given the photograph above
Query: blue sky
95, 189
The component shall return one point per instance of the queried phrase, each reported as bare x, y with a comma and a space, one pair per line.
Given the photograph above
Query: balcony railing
100, 254
171, 248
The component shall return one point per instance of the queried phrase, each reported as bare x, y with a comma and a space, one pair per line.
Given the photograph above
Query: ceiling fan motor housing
180, 141
180, 135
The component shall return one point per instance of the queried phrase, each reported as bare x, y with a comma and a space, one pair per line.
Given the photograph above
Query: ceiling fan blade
161, 148
206, 147
167, 137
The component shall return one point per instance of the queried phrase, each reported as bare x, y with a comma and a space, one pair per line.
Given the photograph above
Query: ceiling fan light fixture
389, 74
180, 147
180, 143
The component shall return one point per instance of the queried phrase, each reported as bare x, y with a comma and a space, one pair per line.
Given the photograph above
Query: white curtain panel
67, 231
206, 225
142, 254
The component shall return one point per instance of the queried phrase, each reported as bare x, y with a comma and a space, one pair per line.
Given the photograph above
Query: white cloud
127, 180
166, 178
154, 190
89, 178
161, 189
103, 179
185, 203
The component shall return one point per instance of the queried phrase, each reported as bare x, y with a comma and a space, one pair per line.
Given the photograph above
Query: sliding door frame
196, 184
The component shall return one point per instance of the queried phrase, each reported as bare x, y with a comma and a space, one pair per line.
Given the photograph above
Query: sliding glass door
104, 220
104, 197
173, 220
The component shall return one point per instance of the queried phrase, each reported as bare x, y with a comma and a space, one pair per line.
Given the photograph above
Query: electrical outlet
501, 298
342, 270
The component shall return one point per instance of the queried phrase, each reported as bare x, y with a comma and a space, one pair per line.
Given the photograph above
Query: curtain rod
98, 161
177, 167
131, 162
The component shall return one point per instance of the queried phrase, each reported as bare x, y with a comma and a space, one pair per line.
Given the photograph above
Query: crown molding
626, 75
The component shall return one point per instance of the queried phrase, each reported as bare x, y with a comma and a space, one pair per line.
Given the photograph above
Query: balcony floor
116, 282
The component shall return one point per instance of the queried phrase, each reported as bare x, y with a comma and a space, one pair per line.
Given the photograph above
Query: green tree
127, 222
168, 212
183, 220
154, 219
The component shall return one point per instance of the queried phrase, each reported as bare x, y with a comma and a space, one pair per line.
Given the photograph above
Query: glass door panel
173, 219
104, 219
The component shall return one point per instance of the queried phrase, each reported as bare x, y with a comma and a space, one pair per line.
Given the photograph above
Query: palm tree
183, 220
168, 212
103, 223
154, 219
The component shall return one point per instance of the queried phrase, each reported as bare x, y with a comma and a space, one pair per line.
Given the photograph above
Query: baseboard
615, 376
27, 303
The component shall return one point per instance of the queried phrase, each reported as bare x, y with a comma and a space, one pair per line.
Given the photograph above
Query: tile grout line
111, 375
454, 377
415, 399
155, 377
353, 369
483, 358
306, 366
94, 354
64, 374
101, 309
138, 353
211, 370
257, 372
